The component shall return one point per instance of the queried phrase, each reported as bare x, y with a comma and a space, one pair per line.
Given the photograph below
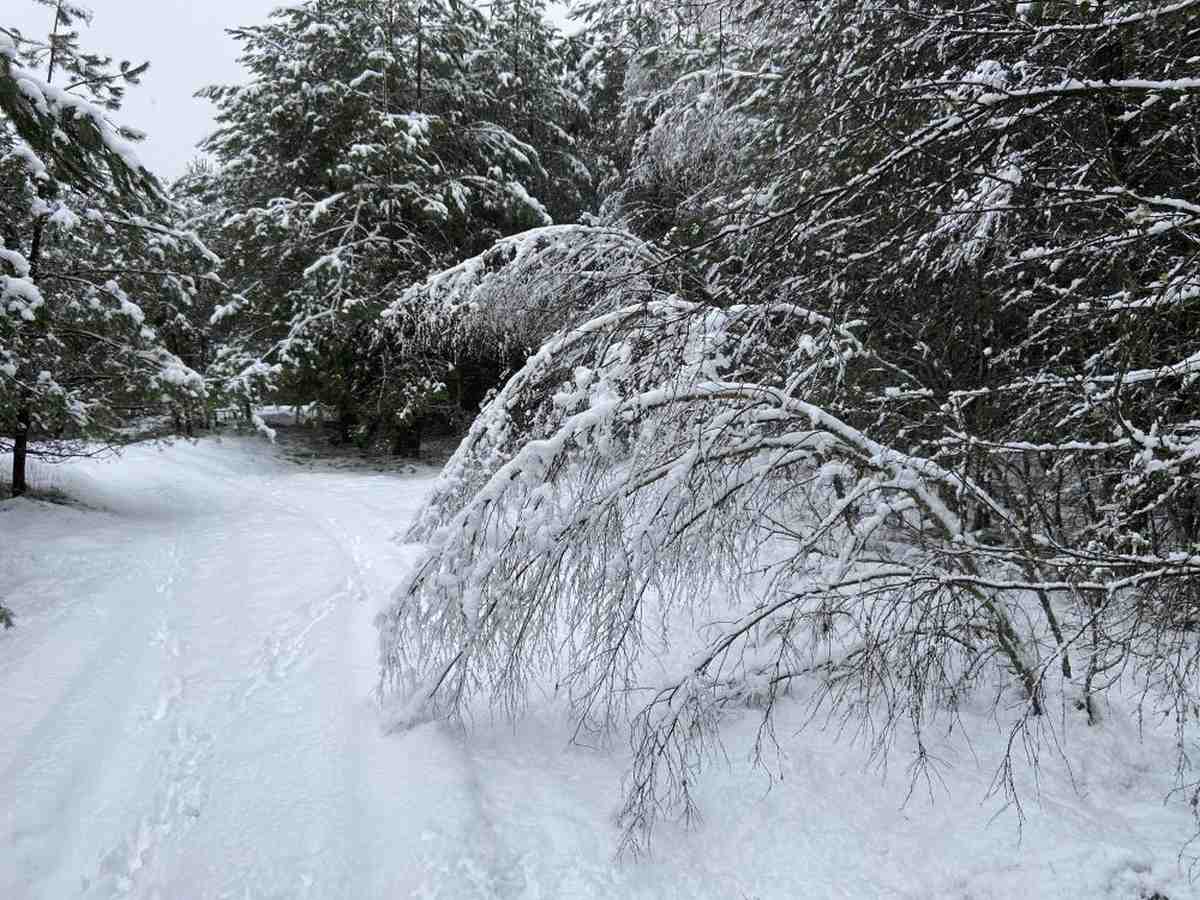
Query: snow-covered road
185, 709
186, 712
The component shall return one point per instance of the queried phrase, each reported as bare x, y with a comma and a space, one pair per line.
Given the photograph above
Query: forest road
186, 707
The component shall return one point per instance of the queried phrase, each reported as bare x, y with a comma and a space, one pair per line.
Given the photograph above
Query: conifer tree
86, 252
376, 143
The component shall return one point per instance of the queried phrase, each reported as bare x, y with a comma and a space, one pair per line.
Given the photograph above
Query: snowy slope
185, 712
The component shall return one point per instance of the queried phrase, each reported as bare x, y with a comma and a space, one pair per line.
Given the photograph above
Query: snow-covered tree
915, 407
527, 71
87, 254
375, 143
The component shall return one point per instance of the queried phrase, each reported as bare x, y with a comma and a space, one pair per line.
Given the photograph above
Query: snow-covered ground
186, 712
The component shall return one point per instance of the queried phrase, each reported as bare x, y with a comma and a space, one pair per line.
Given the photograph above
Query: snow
52, 101
186, 712
20, 296
185, 701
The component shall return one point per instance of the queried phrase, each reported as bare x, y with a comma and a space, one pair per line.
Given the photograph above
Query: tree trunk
20, 452
406, 440
346, 423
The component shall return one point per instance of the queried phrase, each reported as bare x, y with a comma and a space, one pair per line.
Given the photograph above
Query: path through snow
185, 708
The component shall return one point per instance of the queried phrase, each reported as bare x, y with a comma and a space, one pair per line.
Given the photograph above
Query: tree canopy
376, 144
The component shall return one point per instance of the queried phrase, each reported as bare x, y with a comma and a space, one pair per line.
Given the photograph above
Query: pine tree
372, 148
84, 253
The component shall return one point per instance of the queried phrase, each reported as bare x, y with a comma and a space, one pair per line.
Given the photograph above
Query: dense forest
857, 340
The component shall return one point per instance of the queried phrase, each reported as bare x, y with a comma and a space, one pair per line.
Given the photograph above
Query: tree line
371, 145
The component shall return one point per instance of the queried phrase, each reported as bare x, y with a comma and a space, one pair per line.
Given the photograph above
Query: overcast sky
186, 45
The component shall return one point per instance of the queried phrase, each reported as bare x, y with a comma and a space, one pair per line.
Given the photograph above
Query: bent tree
896, 407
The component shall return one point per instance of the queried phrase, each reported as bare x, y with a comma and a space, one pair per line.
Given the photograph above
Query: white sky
186, 45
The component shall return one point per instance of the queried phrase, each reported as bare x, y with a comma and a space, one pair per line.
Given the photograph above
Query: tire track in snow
465, 856
306, 639
190, 731
480, 866
178, 805
285, 647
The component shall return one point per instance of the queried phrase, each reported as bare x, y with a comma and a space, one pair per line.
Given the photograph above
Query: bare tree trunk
20, 452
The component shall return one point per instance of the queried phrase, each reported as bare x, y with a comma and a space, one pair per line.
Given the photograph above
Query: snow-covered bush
666, 459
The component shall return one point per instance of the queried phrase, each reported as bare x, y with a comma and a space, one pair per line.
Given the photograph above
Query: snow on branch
524, 288
624, 466
94, 155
